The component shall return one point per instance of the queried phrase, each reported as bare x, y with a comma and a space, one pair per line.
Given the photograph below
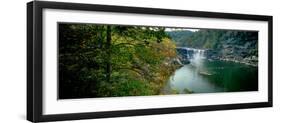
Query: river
208, 76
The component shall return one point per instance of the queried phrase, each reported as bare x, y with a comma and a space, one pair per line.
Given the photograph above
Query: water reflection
188, 77
213, 76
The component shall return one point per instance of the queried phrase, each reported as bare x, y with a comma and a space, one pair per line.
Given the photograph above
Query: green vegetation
180, 36
212, 39
215, 39
109, 60
230, 45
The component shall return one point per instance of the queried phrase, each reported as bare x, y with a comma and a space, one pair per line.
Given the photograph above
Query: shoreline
236, 61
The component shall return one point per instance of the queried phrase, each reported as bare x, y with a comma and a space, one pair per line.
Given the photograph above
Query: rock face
230, 51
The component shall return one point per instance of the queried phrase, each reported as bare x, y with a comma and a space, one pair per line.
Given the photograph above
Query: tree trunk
108, 52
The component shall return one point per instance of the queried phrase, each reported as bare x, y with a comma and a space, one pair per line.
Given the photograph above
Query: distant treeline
212, 39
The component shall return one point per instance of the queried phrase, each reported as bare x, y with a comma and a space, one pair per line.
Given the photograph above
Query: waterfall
198, 57
191, 55
194, 57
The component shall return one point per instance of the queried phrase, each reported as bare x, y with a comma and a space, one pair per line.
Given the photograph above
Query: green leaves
112, 60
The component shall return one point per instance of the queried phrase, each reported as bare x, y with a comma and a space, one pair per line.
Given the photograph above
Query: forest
111, 60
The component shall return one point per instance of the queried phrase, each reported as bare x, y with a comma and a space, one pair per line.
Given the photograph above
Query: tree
111, 60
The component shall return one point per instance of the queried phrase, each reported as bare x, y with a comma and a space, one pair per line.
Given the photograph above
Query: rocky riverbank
245, 54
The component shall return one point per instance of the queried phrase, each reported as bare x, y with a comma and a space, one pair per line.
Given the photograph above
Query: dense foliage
109, 60
212, 39
179, 36
215, 39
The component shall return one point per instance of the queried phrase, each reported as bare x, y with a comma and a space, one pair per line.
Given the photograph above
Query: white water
198, 57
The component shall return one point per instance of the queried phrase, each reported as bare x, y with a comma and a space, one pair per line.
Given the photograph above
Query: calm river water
213, 76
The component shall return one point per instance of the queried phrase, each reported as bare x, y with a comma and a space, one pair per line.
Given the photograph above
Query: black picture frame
34, 60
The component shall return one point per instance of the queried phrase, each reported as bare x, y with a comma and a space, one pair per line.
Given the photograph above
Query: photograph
89, 60
103, 60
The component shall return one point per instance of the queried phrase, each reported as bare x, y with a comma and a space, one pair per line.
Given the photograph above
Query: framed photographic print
94, 61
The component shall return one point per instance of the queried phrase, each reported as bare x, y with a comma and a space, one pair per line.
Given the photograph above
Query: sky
178, 29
